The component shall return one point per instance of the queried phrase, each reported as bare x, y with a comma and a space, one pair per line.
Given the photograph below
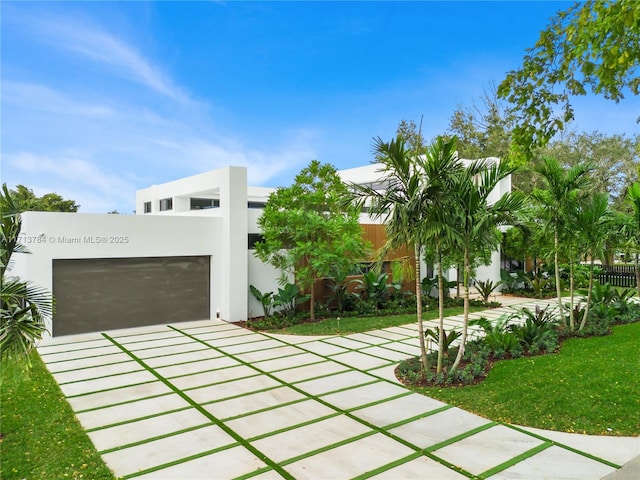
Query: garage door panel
103, 294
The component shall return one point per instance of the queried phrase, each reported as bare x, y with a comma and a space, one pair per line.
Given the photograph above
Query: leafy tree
23, 306
594, 45
615, 159
26, 200
558, 201
309, 231
483, 129
412, 134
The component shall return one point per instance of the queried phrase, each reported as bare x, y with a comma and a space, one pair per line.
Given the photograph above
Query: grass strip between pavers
415, 417
133, 400
457, 438
346, 413
89, 367
136, 419
75, 358
388, 466
208, 415
117, 374
346, 441
113, 389
230, 380
157, 437
517, 459
173, 463
262, 410
562, 445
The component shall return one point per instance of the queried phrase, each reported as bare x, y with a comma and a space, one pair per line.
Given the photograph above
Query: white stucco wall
51, 236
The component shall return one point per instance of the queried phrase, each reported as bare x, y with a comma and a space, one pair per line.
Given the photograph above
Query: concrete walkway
209, 400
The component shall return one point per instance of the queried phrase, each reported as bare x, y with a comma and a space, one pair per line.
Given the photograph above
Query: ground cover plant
591, 385
41, 436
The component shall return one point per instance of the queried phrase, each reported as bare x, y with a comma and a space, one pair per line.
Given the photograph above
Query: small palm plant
485, 288
265, 299
24, 307
447, 338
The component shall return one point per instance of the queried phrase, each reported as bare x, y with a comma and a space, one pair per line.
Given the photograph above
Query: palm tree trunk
556, 259
586, 309
423, 348
465, 323
440, 310
572, 319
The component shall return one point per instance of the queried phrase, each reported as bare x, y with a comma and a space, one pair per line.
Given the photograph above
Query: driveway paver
209, 400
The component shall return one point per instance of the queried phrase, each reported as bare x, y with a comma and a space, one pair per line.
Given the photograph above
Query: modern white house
185, 255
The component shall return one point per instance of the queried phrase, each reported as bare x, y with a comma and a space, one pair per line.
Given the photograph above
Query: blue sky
102, 98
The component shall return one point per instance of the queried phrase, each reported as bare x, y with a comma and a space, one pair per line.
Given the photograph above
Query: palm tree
558, 200
474, 222
411, 184
593, 221
23, 306
633, 198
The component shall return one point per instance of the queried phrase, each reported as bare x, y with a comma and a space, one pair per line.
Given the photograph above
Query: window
204, 203
166, 204
256, 204
253, 239
147, 207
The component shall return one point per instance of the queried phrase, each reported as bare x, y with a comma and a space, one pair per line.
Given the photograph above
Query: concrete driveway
209, 400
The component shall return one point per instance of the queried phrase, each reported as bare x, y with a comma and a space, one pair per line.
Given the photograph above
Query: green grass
42, 437
591, 386
348, 325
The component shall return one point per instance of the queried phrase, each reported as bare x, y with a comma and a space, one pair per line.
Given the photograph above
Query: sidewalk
211, 400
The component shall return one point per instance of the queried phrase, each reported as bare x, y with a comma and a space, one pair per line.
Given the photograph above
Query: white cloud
74, 178
87, 39
42, 98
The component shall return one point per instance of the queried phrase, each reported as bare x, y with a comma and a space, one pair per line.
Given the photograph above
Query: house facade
186, 254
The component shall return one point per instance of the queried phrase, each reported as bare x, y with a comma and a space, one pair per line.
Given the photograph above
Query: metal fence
618, 275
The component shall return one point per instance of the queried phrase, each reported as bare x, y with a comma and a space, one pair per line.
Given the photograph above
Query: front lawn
591, 386
348, 325
41, 436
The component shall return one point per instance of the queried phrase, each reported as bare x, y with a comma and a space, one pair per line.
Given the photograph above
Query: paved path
211, 400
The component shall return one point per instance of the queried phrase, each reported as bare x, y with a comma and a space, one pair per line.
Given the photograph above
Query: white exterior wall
220, 233
229, 185
50, 236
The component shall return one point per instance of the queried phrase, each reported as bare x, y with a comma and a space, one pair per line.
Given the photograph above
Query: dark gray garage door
107, 293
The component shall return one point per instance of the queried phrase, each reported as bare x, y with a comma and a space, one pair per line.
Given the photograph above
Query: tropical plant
447, 340
341, 294
473, 221
497, 335
373, 287
537, 332
633, 199
24, 307
593, 223
538, 282
511, 282
485, 288
413, 184
288, 298
265, 299
558, 201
